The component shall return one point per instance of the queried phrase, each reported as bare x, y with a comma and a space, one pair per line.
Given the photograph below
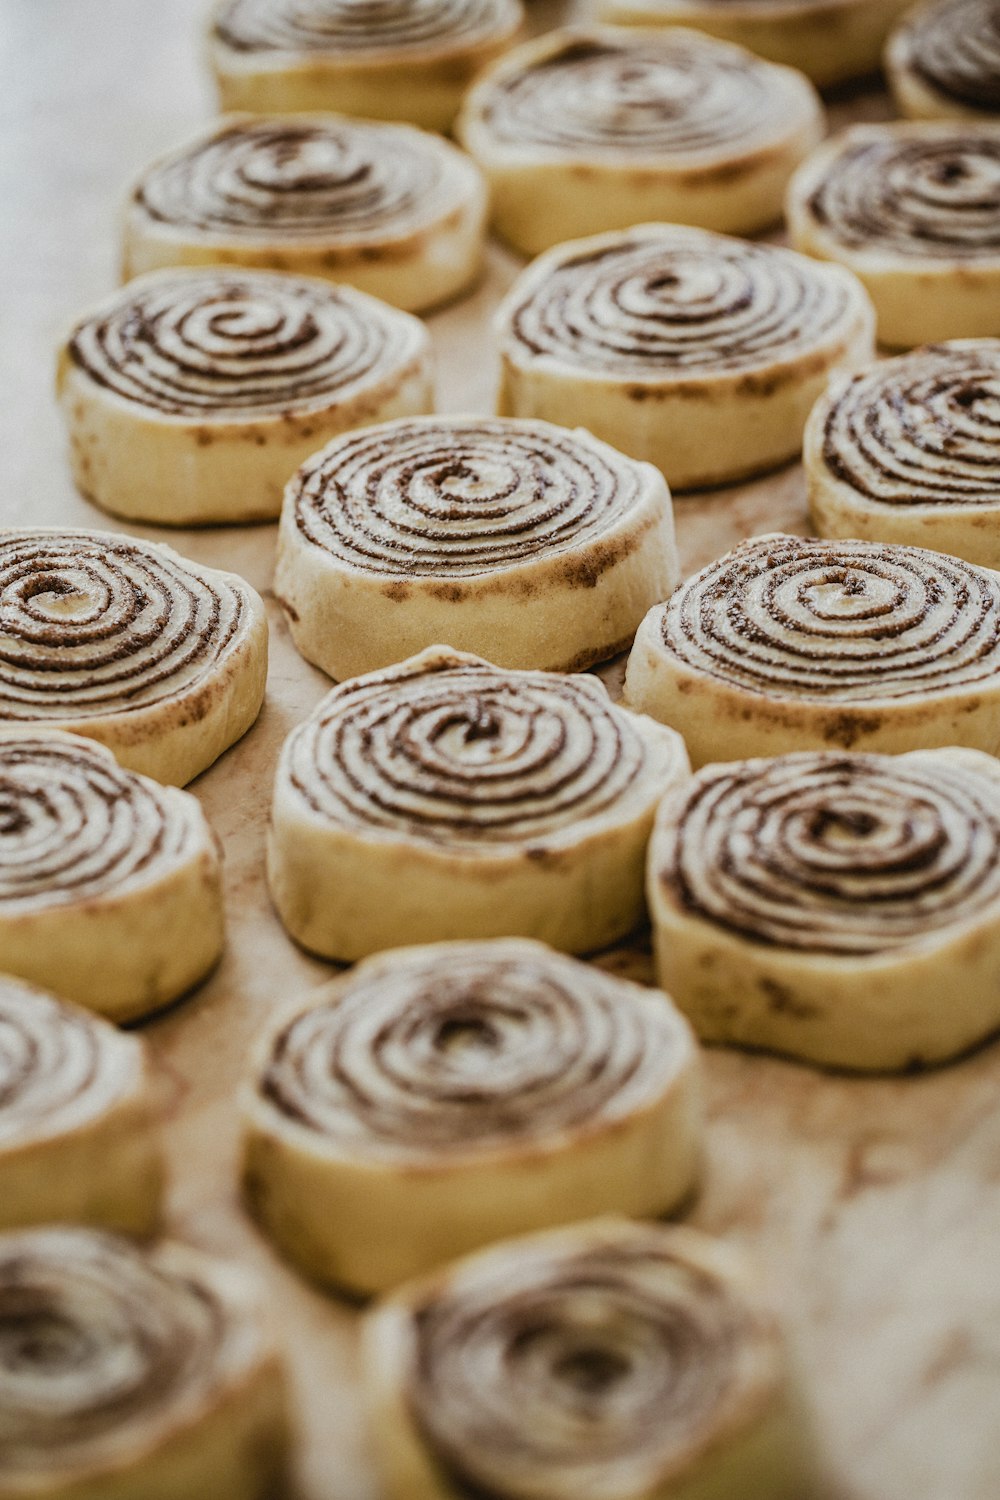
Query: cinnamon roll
101, 871
445, 798
542, 546
909, 452
388, 209
385, 59
613, 1360
913, 208
191, 395
832, 41
793, 644
943, 61
436, 1099
78, 1135
126, 642
133, 1374
700, 353
595, 128
844, 909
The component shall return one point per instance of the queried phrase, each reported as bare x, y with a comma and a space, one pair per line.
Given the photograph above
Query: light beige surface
872, 1207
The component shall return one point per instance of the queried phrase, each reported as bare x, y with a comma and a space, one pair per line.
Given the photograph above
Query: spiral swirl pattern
100, 1343
470, 1048
74, 826
460, 495
572, 1371
317, 26
678, 94
457, 752
58, 1065
914, 190
923, 429
838, 854
307, 178
955, 47
844, 622
92, 624
209, 343
671, 300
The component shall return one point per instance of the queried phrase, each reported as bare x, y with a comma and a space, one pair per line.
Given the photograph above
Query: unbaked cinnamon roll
385, 59
700, 353
130, 1373
191, 395
943, 61
613, 1360
840, 908
830, 40
540, 546
78, 1134
445, 798
595, 128
126, 642
388, 209
438, 1098
110, 884
792, 644
909, 452
914, 210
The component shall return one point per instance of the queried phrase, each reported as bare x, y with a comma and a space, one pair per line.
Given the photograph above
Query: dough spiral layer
384, 59
609, 1359
944, 60
909, 452
92, 858
850, 892
544, 544
444, 1096
478, 797
131, 1372
191, 395
914, 210
593, 128
391, 210
787, 642
697, 351
130, 644
77, 1117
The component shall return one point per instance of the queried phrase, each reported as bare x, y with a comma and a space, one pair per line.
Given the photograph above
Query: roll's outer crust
151, 466
560, 611
542, 196
416, 270
909, 1008
368, 1221
345, 893
698, 429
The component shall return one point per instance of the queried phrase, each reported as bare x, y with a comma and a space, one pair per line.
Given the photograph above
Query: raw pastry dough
909, 451
792, 644
610, 1360
110, 885
537, 546
445, 798
700, 353
438, 1098
124, 641
192, 395
388, 209
387, 59
913, 209
597, 128
131, 1374
840, 908
78, 1133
